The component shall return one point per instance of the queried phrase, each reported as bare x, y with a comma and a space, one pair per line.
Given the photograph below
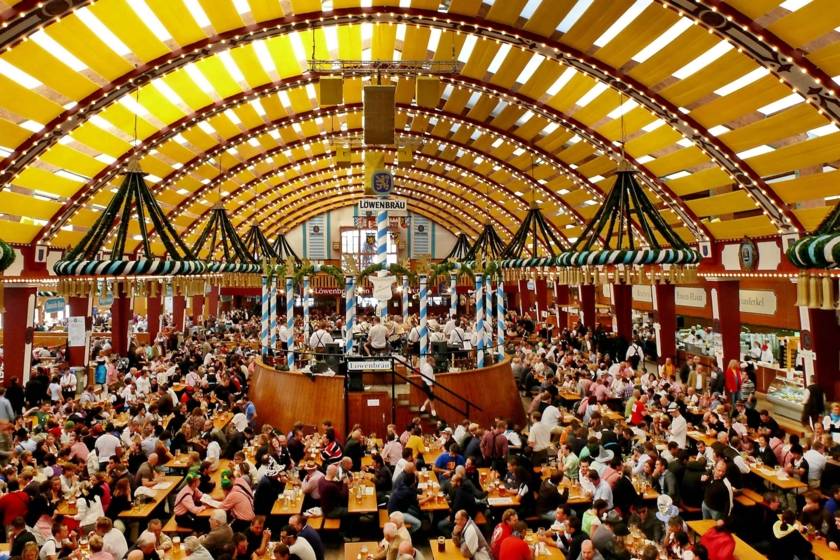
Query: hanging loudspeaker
428, 91
802, 290
813, 293
342, 156
827, 293
332, 90
379, 114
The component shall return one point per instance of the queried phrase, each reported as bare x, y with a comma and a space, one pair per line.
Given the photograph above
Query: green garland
400, 271
7, 255
367, 271
335, 272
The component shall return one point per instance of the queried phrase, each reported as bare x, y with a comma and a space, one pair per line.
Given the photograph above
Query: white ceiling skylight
574, 15
623, 109
500, 106
196, 76
18, 76
653, 126
151, 20
526, 116
757, 151
167, 92
100, 30
530, 68
822, 131
743, 81
198, 13
54, 48
590, 95
718, 130
467, 48
663, 40
561, 82
794, 5
626, 19
231, 66
703, 60
434, 39
530, 8
264, 56
783, 103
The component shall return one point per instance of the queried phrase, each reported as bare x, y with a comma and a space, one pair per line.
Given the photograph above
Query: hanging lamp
461, 249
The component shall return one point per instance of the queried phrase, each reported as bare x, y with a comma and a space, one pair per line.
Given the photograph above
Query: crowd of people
617, 456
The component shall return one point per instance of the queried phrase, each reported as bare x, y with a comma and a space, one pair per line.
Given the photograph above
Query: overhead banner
394, 206
54, 305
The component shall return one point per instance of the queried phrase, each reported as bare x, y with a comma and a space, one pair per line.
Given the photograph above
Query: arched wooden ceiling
714, 121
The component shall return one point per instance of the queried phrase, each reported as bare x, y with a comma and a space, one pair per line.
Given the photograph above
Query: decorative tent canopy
132, 200
220, 235
488, 243
534, 233
7, 255
822, 249
611, 237
258, 246
461, 249
282, 250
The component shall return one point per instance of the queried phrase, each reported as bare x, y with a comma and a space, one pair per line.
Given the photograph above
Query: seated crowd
615, 460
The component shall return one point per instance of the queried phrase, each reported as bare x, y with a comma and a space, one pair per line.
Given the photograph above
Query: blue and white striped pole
479, 320
265, 315
349, 312
405, 298
500, 318
424, 311
306, 310
453, 296
488, 313
382, 253
290, 322
272, 311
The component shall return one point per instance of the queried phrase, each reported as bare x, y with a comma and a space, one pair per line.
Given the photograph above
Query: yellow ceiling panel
513, 65
383, 40
675, 161
729, 203
575, 199
38, 63
816, 151
16, 204
123, 120
576, 152
425, 4
827, 58
599, 107
118, 16
480, 59
18, 232
25, 103
784, 124
100, 140
812, 217
548, 15
647, 26
74, 36
634, 120
224, 126
67, 158
574, 90
281, 51
195, 136
416, 43
187, 89
178, 21
506, 12
264, 10
703, 180
754, 8
306, 6
598, 166
42, 180
807, 23
222, 15
816, 185
682, 50
465, 7
11, 135
157, 104
542, 79
744, 101
247, 61
215, 72
735, 229
594, 22
724, 70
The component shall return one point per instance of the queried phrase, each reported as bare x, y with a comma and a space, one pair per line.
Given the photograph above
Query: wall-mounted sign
369, 365
54, 305
760, 302
394, 206
748, 254
381, 182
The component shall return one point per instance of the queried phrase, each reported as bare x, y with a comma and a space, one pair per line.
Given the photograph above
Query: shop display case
787, 397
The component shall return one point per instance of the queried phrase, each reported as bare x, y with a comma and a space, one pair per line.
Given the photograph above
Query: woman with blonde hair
733, 381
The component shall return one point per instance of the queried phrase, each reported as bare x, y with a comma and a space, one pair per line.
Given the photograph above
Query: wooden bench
383, 518
480, 519
331, 524
172, 528
753, 495
744, 501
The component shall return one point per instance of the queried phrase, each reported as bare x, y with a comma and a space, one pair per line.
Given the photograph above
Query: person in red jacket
733, 381
719, 541
513, 547
13, 504
502, 531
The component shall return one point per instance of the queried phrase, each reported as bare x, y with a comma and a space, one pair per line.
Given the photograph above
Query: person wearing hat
679, 426
269, 487
603, 536
309, 485
188, 504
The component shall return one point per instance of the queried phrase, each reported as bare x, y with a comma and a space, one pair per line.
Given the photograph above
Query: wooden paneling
284, 397
51, 339
371, 409
492, 389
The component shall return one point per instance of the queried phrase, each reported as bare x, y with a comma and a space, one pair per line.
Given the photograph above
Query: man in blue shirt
446, 462
7, 414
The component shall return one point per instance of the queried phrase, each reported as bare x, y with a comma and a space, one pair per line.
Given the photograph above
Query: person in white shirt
457, 336
467, 536
679, 427
320, 338
143, 385
816, 463
283, 334
377, 341
112, 538
68, 385
450, 324
107, 444
298, 546
427, 370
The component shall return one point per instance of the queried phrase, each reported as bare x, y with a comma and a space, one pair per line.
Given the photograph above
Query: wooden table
769, 474
743, 551
452, 552
216, 476
145, 510
295, 506
179, 461
67, 509
427, 484
221, 420
353, 550
700, 436
821, 549
367, 503
177, 553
